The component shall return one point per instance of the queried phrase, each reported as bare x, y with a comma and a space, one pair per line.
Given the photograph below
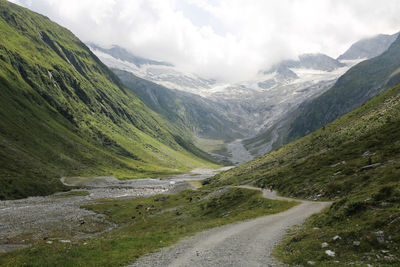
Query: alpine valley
112, 159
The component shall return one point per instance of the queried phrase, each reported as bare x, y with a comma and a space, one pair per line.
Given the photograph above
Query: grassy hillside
355, 161
62, 112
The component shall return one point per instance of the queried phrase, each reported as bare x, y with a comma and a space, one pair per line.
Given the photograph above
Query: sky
228, 40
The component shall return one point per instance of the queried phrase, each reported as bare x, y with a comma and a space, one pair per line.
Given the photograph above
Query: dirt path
248, 243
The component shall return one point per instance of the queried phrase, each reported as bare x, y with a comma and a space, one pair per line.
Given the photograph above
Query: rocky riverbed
60, 216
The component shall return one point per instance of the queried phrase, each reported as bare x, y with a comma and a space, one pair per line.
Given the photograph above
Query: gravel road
248, 243
53, 217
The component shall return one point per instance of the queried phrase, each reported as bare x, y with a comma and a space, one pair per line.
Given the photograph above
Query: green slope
62, 112
355, 161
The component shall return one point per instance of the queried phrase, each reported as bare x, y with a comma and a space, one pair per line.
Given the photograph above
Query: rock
356, 243
139, 206
324, 245
65, 241
380, 237
372, 166
311, 262
330, 253
178, 213
161, 199
316, 228
133, 217
336, 237
49, 242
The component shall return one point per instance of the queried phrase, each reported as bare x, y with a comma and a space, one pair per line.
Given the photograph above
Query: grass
145, 225
72, 194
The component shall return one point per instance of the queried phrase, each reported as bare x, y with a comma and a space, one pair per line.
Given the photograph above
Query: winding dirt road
248, 243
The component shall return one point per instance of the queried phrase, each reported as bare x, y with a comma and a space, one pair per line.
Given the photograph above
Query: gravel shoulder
248, 243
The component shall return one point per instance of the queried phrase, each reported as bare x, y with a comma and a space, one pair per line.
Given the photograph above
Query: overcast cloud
228, 39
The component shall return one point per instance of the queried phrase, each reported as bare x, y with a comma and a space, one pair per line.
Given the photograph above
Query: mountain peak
123, 54
369, 47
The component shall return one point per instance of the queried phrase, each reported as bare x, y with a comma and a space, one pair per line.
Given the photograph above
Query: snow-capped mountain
162, 73
250, 105
260, 106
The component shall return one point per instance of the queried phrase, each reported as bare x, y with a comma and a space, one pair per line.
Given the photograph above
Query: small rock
65, 241
178, 213
380, 237
316, 228
336, 237
330, 253
133, 217
324, 245
370, 265
356, 243
49, 242
311, 262
385, 251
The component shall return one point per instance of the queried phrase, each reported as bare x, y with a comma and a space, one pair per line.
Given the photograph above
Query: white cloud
226, 39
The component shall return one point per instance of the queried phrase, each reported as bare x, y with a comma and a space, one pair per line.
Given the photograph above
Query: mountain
310, 61
359, 84
369, 48
248, 108
354, 161
201, 115
64, 113
162, 73
122, 54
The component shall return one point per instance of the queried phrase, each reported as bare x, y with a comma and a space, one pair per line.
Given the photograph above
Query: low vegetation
145, 225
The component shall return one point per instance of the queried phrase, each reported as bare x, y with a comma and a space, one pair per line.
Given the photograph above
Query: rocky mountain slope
355, 161
369, 48
63, 112
357, 85
201, 115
